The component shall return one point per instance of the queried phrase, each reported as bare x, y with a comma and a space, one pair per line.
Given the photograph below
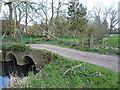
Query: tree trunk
75, 33
26, 17
10, 19
15, 24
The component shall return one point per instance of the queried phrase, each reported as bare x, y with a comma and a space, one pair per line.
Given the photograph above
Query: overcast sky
90, 3
105, 3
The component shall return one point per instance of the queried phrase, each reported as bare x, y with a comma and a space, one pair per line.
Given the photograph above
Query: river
4, 81
11, 68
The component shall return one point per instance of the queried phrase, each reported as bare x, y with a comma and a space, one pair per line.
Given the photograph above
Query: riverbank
54, 76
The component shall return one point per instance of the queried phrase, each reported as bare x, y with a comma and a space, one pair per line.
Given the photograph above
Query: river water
4, 81
11, 68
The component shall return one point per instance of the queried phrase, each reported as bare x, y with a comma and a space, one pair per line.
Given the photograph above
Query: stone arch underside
27, 66
27, 60
9, 65
10, 57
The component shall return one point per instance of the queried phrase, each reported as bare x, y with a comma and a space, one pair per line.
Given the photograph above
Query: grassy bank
51, 76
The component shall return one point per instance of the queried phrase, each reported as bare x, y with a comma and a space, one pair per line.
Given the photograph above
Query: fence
25, 38
91, 42
18, 39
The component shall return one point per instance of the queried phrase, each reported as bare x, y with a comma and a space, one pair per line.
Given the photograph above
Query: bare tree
113, 16
46, 13
108, 14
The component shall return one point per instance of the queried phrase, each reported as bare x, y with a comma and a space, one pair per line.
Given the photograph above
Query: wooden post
30, 38
91, 41
81, 44
21, 38
103, 43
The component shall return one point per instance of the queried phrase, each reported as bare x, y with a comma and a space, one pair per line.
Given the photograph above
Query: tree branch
70, 69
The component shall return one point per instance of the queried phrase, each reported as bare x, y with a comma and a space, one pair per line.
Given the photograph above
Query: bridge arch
28, 59
10, 64
29, 64
11, 57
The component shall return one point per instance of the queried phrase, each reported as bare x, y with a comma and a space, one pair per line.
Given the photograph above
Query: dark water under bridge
20, 61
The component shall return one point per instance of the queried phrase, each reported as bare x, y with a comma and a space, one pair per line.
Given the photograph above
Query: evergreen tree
77, 17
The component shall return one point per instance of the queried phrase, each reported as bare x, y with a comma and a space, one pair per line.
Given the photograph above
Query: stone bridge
22, 58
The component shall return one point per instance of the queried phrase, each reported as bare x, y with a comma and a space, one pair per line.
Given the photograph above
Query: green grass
51, 76
100, 51
15, 47
68, 42
112, 41
75, 39
9, 39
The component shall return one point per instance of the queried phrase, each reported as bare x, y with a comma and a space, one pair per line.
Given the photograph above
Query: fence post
103, 43
30, 38
81, 44
21, 38
91, 41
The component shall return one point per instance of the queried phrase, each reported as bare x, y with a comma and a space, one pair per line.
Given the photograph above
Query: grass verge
94, 50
